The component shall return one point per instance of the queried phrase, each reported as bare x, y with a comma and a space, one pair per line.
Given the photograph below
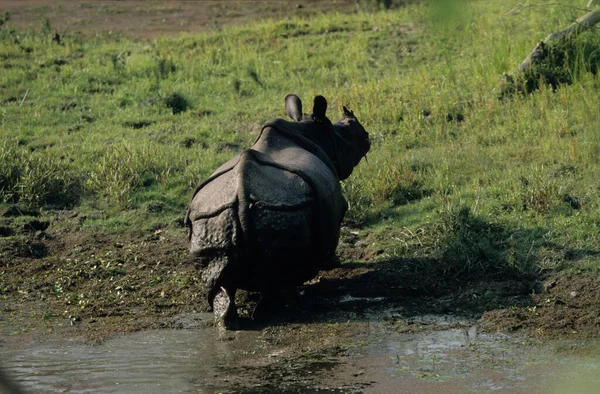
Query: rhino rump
253, 227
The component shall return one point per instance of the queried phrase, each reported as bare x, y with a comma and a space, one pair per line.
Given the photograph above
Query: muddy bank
121, 310
61, 278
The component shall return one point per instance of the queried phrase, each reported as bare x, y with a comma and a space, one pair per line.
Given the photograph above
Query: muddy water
453, 357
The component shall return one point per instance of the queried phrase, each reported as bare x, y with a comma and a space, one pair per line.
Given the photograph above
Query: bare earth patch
154, 19
68, 280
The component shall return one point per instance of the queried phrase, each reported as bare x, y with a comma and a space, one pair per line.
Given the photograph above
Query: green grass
125, 130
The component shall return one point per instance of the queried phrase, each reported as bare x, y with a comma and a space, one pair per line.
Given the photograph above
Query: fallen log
522, 76
580, 25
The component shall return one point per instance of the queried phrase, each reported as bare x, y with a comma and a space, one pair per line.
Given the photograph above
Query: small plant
214, 24
165, 67
124, 168
4, 18
47, 182
397, 184
177, 102
359, 202
118, 61
10, 163
114, 175
237, 86
46, 27
539, 193
155, 207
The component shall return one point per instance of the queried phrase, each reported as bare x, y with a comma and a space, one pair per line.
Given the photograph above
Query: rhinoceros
269, 219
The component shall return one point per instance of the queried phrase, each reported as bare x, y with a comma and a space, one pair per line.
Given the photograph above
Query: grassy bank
122, 131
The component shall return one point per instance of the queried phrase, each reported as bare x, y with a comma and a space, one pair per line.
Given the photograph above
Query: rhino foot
224, 309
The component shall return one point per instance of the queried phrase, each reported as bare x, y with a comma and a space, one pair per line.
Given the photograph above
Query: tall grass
138, 125
37, 179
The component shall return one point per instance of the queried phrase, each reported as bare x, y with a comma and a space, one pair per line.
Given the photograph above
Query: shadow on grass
475, 267
389, 290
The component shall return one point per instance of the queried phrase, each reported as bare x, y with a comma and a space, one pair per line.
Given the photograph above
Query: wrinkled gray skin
269, 219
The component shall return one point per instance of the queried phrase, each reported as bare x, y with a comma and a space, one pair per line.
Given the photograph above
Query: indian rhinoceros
269, 219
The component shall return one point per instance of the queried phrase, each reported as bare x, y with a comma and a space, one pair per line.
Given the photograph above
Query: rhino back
276, 213
266, 183
254, 207
330, 205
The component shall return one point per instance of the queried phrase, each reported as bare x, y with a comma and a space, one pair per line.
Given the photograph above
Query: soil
153, 19
57, 277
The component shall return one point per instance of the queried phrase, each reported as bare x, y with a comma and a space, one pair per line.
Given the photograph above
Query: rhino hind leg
221, 289
224, 308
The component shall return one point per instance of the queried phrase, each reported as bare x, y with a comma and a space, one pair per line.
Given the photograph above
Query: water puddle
462, 360
349, 298
379, 358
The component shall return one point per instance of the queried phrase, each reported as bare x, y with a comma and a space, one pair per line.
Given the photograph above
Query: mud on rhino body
269, 219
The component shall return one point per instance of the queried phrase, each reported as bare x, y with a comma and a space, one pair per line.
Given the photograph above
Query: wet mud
102, 313
351, 357
96, 286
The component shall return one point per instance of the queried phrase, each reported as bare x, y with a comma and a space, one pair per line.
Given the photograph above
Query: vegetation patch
36, 179
559, 63
6, 231
177, 102
22, 246
468, 246
138, 124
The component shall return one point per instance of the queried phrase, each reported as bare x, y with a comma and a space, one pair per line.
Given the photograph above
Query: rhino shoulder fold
302, 135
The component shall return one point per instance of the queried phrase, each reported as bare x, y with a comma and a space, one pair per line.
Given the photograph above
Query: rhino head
351, 143
345, 142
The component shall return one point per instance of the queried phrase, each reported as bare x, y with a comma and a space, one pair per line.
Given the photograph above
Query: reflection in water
7, 384
381, 360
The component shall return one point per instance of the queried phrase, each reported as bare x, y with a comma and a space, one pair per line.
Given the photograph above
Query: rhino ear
348, 113
293, 107
320, 109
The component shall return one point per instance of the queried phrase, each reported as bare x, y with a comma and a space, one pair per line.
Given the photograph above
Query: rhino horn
319, 109
293, 107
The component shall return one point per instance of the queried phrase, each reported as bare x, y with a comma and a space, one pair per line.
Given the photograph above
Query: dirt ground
153, 19
56, 277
